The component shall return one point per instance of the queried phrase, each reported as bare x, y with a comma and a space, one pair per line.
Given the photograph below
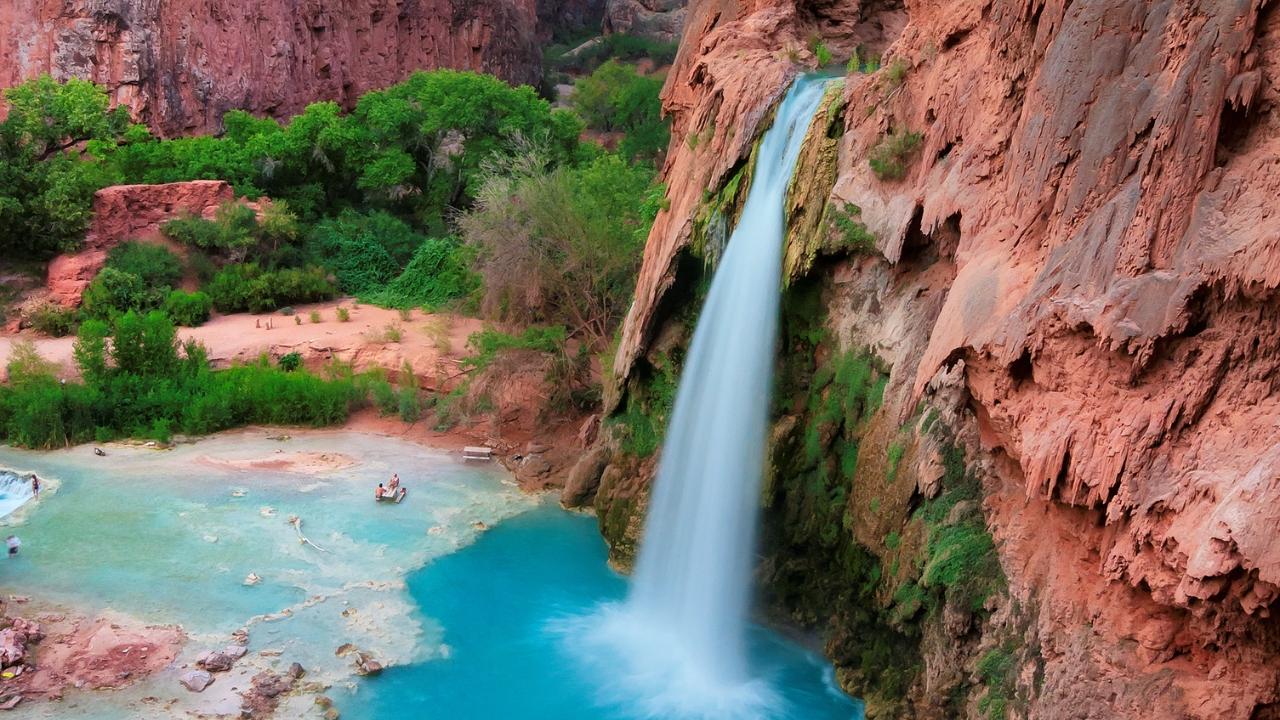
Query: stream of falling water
683, 627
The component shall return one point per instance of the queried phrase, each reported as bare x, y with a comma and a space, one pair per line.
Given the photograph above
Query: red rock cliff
1079, 269
180, 64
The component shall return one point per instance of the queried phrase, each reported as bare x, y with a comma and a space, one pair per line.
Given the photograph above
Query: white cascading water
682, 630
15, 491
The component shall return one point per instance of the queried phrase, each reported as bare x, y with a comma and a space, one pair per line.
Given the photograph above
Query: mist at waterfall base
678, 647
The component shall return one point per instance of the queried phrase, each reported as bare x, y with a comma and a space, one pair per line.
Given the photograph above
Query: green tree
562, 246
145, 345
90, 351
616, 98
46, 187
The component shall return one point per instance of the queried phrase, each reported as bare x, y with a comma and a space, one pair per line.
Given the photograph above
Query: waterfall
15, 491
683, 629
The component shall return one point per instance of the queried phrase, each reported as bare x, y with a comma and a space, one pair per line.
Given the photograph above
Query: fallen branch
296, 522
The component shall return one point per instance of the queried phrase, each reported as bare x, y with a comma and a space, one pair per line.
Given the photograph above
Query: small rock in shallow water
196, 680
366, 665
296, 671
332, 714
235, 652
216, 661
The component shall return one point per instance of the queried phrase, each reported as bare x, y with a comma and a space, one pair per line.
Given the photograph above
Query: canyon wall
1026, 460
179, 65
656, 19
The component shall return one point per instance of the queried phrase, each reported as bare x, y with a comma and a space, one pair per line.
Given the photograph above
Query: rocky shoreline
47, 651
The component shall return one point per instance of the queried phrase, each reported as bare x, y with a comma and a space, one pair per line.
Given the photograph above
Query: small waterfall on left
15, 491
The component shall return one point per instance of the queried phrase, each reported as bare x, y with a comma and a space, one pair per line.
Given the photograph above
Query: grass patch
890, 157
895, 453
145, 385
895, 74
849, 230
996, 672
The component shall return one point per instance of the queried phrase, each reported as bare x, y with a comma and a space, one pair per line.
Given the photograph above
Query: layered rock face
180, 65
1069, 281
657, 19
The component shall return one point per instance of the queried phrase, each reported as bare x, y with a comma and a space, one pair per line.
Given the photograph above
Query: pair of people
390, 491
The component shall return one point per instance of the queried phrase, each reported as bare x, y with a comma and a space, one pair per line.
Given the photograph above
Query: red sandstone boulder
129, 212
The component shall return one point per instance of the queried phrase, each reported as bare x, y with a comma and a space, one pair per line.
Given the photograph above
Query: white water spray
15, 491
682, 631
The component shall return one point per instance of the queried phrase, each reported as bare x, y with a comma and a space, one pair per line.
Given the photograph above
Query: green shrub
55, 321
152, 390
364, 252
995, 671
384, 396
155, 265
895, 74
233, 228
315, 317
888, 159
240, 288
113, 292
344, 315
409, 405
188, 309
290, 362
895, 453
439, 274
850, 231
487, 344
820, 51
145, 345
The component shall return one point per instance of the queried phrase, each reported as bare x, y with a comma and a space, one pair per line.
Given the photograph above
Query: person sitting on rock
380, 492
395, 483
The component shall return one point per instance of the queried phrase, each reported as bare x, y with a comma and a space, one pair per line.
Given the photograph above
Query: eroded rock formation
179, 66
656, 19
1068, 294
129, 212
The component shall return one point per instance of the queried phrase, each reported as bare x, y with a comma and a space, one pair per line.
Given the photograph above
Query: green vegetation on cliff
890, 157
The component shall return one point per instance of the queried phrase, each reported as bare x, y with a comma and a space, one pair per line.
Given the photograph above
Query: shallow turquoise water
504, 603
481, 623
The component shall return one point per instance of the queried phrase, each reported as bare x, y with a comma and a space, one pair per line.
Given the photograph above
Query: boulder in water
235, 652
217, 661
196, 680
